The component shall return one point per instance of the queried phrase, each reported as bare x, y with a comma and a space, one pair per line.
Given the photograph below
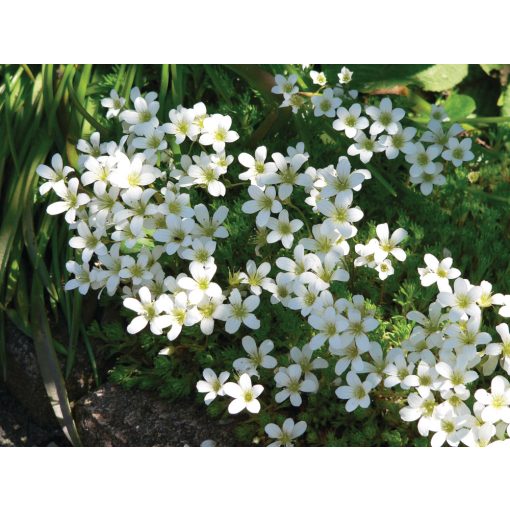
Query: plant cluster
150, 223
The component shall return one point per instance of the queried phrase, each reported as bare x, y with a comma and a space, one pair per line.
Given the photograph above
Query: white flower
458, 152
480, 435
344, 76
328, 271
153, 312
330, 325
83, 277
350, 120
98, 169
398, 142
356, 393
282, 289
340, 215
71, 199
53, 175
176, 203
364, 147
318, 78
152, 142
201, 250
282, 229
176, 235
463, 301
257, 167
341, 179
449, 428
216, 132
244, 394
264, 202
437, 137
136, 270
325, 104
455, 375
208, 311
425, 379
366, 254
295, 101
487, 298
300, 265
307, 297
285, 85
285, 435
504, 311
205, 173
355, 331
181, 315
384, 269
422, 160
212, 385
143, 117
182, 124
290, 380
438, 112
238, 312
438, 272
398, 369
465, 337
138, 209
258, 356
327, 242
501, 349
210, 227
114, 103
421, 409
132, 174
303, 357
496, 402
200, 284
287, 175
114, 263
388, 245
385, 117
255, 277
89, 242
427, 181
298, 149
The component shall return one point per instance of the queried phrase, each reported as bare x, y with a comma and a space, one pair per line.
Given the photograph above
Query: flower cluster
137, 233
378, 128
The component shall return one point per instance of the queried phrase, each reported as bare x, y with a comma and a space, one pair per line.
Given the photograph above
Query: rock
25, 383
114, 416
17, 429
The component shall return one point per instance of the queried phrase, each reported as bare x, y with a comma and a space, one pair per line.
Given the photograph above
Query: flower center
448, 426
385, 118
325, 105
423, 159
458, 153
145, 116
359, 392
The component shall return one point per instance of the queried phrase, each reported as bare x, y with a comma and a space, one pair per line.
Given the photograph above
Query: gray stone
24, 379
114, 416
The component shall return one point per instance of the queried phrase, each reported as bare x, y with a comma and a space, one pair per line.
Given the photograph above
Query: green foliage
47, 109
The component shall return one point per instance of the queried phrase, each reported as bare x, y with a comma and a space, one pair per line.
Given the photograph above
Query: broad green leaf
459, 106
441, 77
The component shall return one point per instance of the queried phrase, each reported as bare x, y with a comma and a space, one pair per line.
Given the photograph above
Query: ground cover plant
318, 252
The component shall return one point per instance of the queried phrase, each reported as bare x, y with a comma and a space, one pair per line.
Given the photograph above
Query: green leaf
488, 68
441, 77
459, 106
49, 364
